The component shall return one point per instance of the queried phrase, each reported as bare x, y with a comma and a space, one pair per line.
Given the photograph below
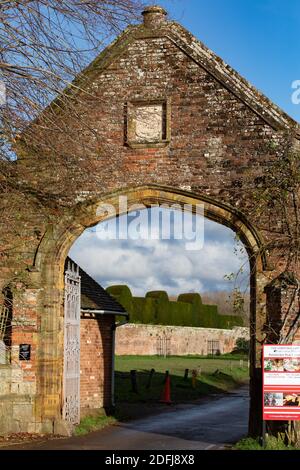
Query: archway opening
53, 251
188, 306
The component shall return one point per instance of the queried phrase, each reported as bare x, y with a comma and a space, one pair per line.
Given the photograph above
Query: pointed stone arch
49, 266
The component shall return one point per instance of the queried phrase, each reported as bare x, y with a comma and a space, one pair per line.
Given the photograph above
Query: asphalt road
209, 425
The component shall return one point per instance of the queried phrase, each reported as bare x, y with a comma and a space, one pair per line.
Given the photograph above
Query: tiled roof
93, 296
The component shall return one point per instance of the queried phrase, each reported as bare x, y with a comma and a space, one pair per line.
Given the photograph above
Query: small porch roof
95, 299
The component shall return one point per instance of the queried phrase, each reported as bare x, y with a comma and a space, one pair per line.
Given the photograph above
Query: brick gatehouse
166, 121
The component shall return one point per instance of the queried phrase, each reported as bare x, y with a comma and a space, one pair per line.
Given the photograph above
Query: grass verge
272, 443
93, 423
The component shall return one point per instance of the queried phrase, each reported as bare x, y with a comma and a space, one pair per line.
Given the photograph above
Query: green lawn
215, 375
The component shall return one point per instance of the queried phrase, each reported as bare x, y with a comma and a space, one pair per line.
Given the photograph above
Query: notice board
281, 382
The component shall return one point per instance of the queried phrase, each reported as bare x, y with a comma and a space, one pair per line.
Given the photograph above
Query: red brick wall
95, 361
219, 147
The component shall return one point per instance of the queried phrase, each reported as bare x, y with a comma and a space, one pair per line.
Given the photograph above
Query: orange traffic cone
166, 393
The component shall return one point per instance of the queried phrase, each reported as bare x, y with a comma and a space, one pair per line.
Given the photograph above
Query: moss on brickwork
156, 309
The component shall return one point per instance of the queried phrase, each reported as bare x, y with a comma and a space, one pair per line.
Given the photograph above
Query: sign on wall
281, 382
24, 352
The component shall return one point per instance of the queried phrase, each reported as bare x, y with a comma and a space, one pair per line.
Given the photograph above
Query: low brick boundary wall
136, 339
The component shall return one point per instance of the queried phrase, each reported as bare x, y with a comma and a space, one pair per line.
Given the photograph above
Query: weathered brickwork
224, 136
95, 363
229, 146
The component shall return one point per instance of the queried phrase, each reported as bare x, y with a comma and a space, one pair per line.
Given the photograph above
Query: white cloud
160, 264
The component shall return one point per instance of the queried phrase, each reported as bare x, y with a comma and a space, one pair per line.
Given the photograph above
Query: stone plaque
148, 123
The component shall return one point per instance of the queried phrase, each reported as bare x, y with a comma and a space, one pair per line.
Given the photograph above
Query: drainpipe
114, 327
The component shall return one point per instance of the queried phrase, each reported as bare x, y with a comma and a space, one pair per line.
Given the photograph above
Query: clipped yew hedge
196, 304
123, 295
156, 309
144, 311
159, 295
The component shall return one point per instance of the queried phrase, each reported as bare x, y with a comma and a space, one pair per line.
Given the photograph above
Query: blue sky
261, 40
258, 38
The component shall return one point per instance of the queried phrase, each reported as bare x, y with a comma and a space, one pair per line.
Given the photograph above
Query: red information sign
281, 382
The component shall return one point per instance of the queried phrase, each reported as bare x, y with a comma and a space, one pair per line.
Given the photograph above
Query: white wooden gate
71, 383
